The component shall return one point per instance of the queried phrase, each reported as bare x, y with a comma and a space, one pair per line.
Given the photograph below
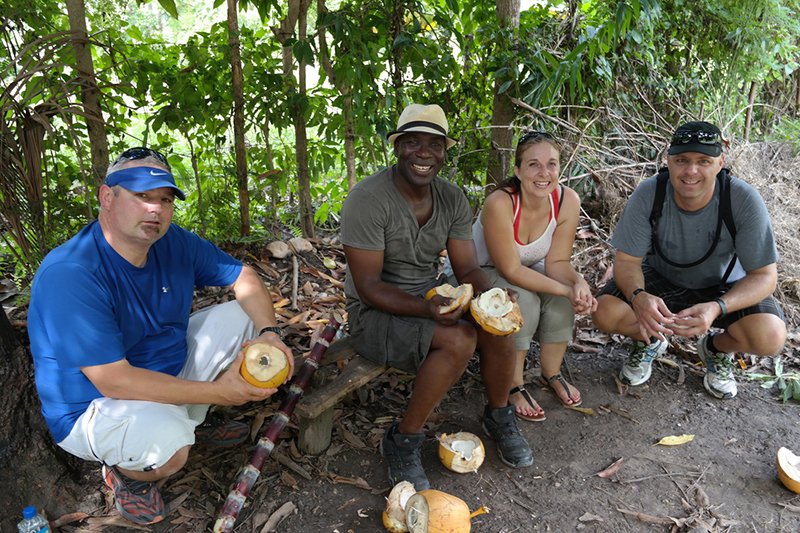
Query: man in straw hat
395, 223
695, 250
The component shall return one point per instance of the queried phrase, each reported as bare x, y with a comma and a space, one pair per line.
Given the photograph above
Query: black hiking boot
402, 452
501, 425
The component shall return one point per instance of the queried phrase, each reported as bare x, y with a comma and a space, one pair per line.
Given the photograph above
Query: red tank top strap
556, 204
516, 204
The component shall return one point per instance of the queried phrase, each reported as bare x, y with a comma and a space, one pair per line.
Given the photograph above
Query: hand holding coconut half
265, 366
496, 312
460, 297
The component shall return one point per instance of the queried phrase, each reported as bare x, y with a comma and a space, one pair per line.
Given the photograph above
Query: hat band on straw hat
410, 126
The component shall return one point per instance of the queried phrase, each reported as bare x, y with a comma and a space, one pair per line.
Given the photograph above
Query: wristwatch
633, 295
273, 329
722, 306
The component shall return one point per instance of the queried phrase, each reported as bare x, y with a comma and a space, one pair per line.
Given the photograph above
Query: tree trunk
298, 11
90, 96
301, 139
500, 153
347, 112
748, 119
238, 118
349, 143
35, 471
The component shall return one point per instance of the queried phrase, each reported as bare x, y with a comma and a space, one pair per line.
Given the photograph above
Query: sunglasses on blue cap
140, 152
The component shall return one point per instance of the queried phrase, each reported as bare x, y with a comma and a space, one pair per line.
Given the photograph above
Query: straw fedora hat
424, 119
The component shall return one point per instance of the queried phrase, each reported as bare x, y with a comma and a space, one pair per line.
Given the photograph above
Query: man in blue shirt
125, 375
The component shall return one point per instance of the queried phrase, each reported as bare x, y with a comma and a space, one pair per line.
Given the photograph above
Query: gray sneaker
501, 426
402, 452
639, 366
719, 380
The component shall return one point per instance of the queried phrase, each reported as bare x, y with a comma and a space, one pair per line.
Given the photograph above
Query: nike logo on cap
154, 173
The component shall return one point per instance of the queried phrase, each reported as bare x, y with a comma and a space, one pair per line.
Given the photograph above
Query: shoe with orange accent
138, 501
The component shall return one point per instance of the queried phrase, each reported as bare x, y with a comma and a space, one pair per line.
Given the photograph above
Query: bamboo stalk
249, 474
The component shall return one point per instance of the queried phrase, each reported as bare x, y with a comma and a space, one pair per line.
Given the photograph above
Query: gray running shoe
719, 380
639, 366
501, 426
402, 452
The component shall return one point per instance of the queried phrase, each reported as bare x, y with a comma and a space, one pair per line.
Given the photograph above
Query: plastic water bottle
33, 522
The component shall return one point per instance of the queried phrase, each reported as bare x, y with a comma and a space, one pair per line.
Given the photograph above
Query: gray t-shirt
686, 236
376, 217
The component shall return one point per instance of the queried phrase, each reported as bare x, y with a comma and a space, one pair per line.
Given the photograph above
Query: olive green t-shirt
375, 216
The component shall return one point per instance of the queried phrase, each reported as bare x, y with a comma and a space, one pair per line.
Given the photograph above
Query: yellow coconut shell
461, 452
394, 516
789, 469
433, 511
264, 365
461, 296
496, 312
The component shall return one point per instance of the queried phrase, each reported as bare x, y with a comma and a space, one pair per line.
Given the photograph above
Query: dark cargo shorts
679, 298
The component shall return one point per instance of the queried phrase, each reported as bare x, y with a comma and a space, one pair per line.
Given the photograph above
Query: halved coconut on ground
264, 365
789, 469
394, 516
461, 452
461, 296
433, 511
496, 312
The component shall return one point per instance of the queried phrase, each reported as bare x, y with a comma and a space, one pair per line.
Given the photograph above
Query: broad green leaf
170, 7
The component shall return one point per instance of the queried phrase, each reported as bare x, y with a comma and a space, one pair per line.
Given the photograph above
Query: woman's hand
583, 303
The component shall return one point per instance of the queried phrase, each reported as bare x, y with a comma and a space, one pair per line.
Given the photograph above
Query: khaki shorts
140, 435
546, 317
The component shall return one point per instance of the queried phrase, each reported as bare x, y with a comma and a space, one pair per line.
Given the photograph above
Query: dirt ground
725, 478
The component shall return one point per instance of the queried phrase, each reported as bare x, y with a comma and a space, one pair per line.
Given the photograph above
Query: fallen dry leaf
588, 517
675, 440
585, 410
357, 481
289, 480
67, 519
612, 469
647, 518
790, 508
278, 516
701, 498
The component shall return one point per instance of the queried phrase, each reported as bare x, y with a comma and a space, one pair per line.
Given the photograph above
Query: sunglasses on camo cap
140, 152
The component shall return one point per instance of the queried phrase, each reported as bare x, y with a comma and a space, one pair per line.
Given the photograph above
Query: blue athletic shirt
89, 306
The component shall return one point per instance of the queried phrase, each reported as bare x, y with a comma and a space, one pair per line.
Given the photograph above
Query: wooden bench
315, 410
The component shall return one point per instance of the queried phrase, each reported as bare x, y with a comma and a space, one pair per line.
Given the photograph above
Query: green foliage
788, 383
164, 72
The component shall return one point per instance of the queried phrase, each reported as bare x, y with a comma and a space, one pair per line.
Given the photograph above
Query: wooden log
358, 372
314, 435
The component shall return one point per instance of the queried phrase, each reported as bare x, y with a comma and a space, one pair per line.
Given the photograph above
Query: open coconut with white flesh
264, 365
394, 516
461, 295
461, 452
789, 469
496, 312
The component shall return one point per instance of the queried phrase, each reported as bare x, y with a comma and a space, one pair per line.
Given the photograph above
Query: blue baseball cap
139, 179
